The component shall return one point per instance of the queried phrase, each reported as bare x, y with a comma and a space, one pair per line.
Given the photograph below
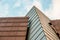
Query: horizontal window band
16, 22
12, 35
14, 26
12, 30
15, 18
13, 23
12, 18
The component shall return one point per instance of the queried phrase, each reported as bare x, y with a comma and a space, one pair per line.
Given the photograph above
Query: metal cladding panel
48, 32
35, 27
13, 28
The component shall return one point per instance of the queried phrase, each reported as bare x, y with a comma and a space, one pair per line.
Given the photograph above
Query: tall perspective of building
13, 28
34, 26
39, 27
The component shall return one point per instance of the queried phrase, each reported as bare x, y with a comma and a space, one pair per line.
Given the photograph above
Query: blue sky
46, 4
17, 8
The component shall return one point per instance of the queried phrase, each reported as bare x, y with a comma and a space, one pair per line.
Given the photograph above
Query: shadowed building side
39, 28
13, 28
56, 26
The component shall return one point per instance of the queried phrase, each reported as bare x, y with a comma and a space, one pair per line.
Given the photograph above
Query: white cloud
54, 11
4, 10
20, 14
28, 5
37, 4
18, 3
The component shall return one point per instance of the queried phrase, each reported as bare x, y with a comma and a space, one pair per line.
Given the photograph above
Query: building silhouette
34, 26
40, 28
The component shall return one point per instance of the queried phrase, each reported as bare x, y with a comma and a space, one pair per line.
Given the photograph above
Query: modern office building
13, 28
34, 26
39, 26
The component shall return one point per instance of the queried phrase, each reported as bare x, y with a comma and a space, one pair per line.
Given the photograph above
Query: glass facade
35, 29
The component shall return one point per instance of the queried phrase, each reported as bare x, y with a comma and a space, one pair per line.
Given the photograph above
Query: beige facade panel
12, 38
13, 24
12, 33
13, 20
47, 29
12, 28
